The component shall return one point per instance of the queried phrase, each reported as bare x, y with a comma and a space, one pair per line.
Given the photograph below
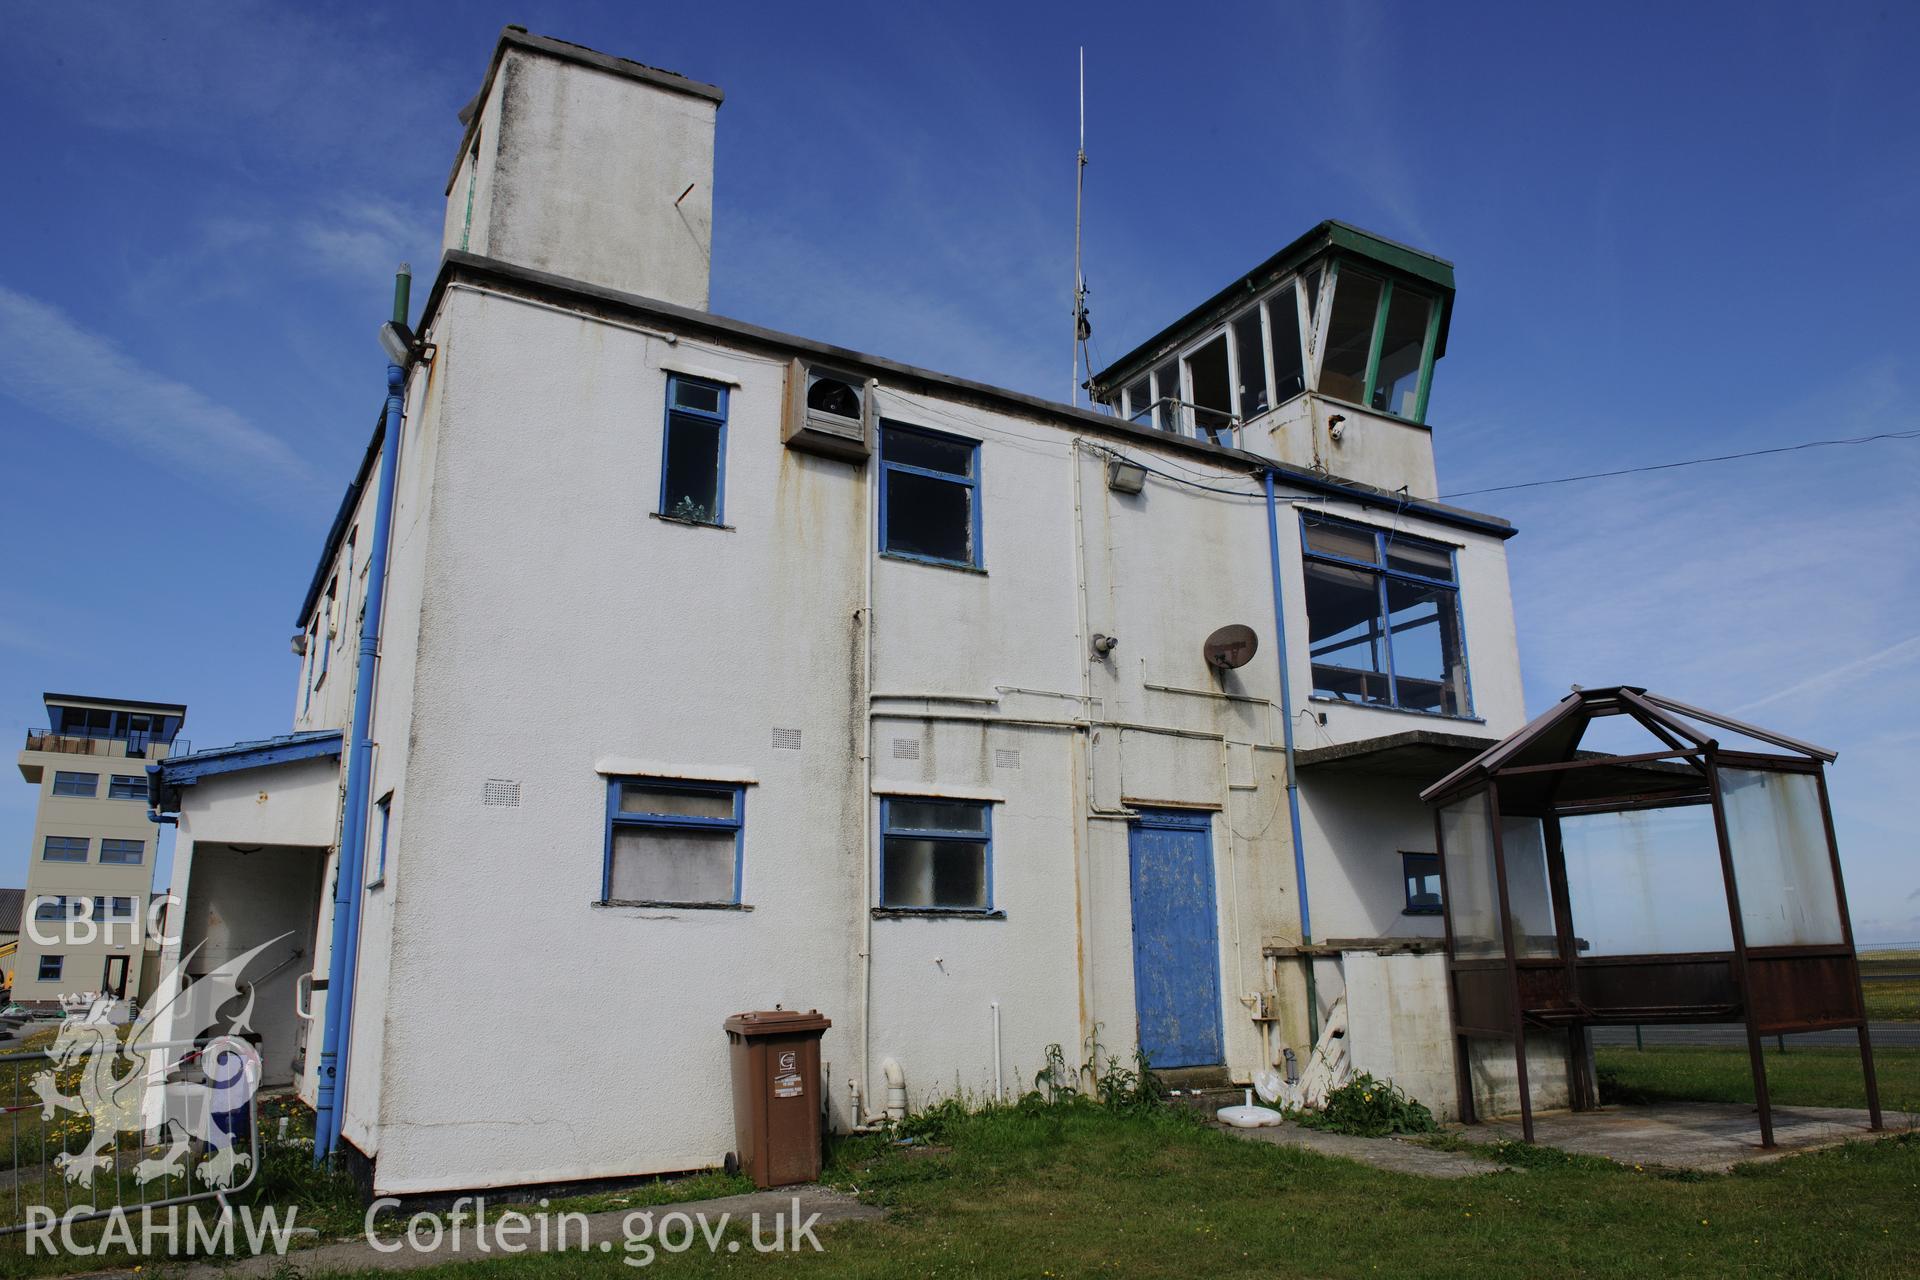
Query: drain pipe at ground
1293, 785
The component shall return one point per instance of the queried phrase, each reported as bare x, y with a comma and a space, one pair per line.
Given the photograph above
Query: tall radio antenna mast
1081, 329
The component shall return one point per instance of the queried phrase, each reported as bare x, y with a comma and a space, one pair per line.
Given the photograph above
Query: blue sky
1678, 230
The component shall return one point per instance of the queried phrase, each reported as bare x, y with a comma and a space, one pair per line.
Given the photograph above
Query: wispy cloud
1892, 654
51, 363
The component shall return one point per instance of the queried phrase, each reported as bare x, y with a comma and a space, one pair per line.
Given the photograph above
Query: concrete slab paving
1397, 1154
1705, 1136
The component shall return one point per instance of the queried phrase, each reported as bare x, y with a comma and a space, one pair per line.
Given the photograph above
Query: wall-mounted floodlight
1124, 476
398, 342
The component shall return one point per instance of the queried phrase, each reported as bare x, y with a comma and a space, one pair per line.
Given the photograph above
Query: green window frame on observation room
1379, 339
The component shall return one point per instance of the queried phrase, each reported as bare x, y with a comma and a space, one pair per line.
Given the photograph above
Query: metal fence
90, 1133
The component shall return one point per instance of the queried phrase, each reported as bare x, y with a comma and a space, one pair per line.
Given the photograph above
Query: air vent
906, 748
786, 739
1005, 759
500, 794
829, 411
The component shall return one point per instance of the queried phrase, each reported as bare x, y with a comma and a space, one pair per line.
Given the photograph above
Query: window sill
1403, 711
1377, 413
935, 913
689, 524
954, 565
676, 906
1420, 911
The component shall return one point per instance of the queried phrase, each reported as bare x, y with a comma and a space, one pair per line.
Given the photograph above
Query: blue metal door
1176, 941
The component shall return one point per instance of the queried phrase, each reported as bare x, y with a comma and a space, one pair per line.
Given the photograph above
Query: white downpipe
896, 1091
999, 1094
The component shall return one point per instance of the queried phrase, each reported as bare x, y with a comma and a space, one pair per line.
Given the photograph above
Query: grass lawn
1076, 1191
1812, 1077
1897, 999
1086, 1193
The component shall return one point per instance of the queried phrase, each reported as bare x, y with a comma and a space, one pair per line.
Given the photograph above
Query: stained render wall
563, 632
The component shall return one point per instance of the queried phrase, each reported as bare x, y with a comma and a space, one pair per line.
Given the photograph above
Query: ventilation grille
786, 739
906, 748
501, 794
1005, 759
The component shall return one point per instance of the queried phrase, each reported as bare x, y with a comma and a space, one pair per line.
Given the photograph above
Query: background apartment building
90, 869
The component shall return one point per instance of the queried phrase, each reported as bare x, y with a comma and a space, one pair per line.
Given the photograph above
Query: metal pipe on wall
344, 956
1286, 732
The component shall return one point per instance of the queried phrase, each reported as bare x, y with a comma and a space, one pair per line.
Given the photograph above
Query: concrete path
1885, 1035
1708, 1136
1396, 1154
793, 1207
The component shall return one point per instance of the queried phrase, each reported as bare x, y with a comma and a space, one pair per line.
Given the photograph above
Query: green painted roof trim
1328, 238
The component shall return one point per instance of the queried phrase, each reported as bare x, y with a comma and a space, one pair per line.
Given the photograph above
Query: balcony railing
136, 748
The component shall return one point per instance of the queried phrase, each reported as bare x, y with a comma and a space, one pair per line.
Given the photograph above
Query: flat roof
124, 704
518, 37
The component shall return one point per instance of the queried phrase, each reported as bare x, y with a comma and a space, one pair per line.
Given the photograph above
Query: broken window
692, 470
1378, 353
1356, 306
929, 496
935, 854
1140, 401
1422, 874
1211, 385
1250, 359
1403, 345
1168, 413
673, 842
1289, 363
1383, 618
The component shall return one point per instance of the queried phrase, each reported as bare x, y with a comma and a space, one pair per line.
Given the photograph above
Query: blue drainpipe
1293, 784
345, 956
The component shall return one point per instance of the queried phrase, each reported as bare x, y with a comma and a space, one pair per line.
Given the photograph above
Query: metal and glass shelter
1694, 882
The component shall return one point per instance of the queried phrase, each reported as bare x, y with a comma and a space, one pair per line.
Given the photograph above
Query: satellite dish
1231, 646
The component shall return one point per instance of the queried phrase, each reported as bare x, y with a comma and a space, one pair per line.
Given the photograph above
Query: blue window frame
51, 907
693, 458
65, 849
123, 853
50, 968
123, 786
383, 808
936, 855
929, 496
673, 843
76, 784
322, 625
1383, 618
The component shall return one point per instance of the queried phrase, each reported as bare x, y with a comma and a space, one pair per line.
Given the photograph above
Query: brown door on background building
113, 979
